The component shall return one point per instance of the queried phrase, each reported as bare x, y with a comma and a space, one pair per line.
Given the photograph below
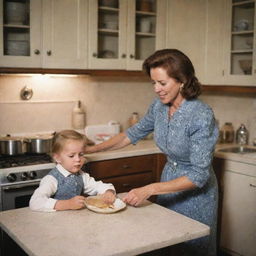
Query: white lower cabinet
238, 220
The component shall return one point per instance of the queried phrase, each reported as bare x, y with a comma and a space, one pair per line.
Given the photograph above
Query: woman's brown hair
177, 66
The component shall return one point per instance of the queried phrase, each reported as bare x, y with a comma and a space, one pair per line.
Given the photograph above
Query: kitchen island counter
129, 232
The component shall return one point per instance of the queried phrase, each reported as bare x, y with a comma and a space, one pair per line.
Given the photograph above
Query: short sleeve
143, 127
203, 133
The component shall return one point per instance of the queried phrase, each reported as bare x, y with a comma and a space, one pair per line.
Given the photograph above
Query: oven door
15, 196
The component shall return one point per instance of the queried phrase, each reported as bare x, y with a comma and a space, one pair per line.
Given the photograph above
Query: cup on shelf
246, 66
145, 6
145, 25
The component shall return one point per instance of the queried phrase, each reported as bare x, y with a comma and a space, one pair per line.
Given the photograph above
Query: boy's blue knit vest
69, 186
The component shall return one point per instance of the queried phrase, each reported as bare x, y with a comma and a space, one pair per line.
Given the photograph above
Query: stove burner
24, 160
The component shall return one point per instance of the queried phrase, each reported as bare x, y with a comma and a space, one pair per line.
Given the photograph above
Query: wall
103, 98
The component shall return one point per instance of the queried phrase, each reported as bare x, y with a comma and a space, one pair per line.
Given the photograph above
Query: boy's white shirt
41, 199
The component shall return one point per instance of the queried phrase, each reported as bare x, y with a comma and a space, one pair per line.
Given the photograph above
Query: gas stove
24, 168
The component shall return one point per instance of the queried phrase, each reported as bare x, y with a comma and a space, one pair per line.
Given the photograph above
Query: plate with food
96, 204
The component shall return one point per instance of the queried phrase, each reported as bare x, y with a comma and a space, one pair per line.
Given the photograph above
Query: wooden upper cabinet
122, 33
53, 34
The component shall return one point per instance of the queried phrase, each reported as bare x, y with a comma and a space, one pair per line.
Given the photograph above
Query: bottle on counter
228, 133
78, 116
220, 138
133, 119
242, 135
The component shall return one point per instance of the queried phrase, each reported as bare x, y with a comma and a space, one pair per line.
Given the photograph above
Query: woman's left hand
136, 196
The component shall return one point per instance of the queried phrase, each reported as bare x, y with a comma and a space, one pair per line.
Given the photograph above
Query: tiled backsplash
103, 98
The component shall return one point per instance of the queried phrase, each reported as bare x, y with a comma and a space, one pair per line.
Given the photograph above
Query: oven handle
24, 185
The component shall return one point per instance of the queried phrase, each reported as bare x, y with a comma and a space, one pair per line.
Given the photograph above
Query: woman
185, 130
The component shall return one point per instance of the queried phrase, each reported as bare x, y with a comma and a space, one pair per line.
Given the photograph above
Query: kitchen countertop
145, 147
248, 158
132, 231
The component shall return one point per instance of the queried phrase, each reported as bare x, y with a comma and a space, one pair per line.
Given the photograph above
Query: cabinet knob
36, 51
252, 185
95, 55
123, 55
131, 56
49, 53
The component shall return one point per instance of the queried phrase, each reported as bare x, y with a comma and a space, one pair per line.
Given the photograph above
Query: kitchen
107, 96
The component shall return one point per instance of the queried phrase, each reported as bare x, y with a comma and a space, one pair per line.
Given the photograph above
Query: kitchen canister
134, 118
242, 135
228, 133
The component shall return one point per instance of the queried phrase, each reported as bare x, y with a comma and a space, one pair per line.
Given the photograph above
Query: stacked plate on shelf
16, 13
17, 44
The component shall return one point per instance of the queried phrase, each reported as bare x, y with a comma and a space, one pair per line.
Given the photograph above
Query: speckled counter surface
143, 147
146, 147
248, 158
82, 232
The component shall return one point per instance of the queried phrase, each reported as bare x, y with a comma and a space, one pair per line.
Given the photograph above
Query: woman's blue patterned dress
188, 139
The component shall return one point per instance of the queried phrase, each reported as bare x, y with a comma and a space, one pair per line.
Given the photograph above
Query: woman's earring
181, 86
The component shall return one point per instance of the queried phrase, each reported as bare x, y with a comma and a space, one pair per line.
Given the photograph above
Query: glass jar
227, 133
133, 119
242, 135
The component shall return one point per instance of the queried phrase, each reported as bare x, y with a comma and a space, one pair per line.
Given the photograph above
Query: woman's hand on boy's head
109, 196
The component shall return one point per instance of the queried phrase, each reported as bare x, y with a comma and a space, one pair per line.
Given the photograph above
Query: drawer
126, 183
121, 166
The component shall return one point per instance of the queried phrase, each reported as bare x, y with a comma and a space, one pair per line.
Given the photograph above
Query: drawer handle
252, 185
126, 166
126, 185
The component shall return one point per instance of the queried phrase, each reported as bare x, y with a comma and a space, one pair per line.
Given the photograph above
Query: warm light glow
46, 75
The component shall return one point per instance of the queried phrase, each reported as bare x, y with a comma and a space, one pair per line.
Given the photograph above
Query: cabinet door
240, 43
186, 31
214, 42
107, 34
238, 227
20, 33
146, 29
65, 34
